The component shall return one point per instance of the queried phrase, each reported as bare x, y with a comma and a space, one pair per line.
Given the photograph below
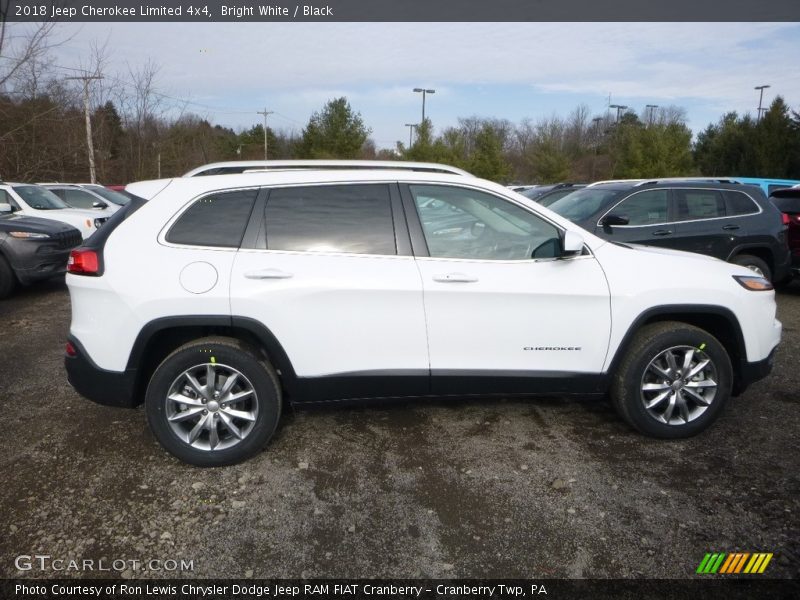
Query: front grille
67, 240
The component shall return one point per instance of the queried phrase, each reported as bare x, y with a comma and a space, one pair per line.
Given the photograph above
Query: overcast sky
505, 70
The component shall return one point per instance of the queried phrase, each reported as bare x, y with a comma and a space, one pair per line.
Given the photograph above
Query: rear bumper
110, 388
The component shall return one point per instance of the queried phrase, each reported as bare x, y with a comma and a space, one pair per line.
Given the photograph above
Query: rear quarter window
739, 203
217, 220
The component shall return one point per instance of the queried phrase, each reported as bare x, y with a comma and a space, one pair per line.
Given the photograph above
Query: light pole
410, 132
760, 99
619, 108
651, 108
424, 92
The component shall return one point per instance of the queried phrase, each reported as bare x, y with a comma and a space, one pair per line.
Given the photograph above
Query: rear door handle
268, 274
455, 278
662, 232
730, 227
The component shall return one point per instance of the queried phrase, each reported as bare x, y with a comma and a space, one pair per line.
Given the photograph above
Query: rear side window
337, 218
699, 204
217, 220
77, 198
739, 204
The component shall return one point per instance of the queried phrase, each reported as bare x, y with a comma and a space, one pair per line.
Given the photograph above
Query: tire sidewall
632, 379
243, 361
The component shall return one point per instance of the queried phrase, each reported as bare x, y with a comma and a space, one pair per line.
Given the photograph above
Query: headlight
27, 235
753, 283
98, 223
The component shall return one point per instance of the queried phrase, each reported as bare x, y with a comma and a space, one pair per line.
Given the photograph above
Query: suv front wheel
673, 381
213, 402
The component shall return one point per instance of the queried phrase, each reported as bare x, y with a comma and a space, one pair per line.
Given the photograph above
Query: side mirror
99, 204
612, 219
5, 207
572, 243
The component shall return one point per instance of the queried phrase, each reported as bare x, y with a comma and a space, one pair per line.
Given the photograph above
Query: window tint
699, 204
463, 223
335, 218
644, 208
39, 198
738, 203
77, 198
584, 203
216, 220
4, 197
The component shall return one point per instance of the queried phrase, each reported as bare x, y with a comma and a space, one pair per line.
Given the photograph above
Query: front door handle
731, 227
662, 232
455, 278
268, 274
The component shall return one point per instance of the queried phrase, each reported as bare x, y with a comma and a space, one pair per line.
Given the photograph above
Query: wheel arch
719, 321
158, 338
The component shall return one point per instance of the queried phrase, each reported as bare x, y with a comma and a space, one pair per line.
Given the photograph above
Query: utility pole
265, 112
760, 99
620, 108
410, 132
424, 92
651, 108
86, 79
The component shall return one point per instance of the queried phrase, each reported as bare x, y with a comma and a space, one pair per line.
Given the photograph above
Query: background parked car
80, 197
788, 202
112, 196
36, 201
729, 221
767, 185
547, 194
32, 249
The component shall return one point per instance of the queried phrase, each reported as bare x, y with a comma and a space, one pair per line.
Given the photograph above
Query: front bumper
749, 372
110, 388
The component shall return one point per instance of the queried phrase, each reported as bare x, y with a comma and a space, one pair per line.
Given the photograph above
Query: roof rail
605, 181
241, 166
689, 179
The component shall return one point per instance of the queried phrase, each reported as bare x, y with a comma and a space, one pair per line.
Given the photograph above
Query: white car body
422, 325
86, 221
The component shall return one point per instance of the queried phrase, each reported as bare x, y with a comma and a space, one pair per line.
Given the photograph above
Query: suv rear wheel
673, 380
755, 264
213, 402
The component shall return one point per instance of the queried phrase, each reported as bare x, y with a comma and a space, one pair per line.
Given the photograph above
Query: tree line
136, 135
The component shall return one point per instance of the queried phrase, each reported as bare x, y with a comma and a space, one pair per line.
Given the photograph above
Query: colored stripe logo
734, 563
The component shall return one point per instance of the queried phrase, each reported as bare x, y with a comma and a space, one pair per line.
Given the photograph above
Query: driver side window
464, 223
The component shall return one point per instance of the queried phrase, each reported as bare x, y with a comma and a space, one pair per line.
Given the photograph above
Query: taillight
70, 349
83, 261
785, 218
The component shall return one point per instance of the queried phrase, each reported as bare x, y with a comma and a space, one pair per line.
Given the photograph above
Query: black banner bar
400, 10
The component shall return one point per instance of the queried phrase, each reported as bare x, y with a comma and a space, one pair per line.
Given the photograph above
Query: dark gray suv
733, 222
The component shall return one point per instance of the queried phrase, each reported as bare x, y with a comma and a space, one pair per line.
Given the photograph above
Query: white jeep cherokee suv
218, 298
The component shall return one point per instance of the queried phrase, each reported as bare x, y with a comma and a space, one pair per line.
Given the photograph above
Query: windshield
39, 198
110, 195
579, 206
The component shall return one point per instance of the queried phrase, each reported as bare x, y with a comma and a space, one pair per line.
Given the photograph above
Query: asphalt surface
522, 488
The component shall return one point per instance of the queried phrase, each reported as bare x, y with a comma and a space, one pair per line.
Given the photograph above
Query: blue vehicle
767, 185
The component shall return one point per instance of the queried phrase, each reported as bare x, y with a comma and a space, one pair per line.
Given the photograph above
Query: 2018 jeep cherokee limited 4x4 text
219, 298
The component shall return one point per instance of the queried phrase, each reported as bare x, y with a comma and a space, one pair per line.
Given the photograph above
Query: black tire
7, 279
226, 356
652, 343
753, 263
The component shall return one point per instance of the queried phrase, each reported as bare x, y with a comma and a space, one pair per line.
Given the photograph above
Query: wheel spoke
705, 383
185, 400
195, 385
230, 425
239, 414
659, 371
670, 407
238, 397
213, 434
185, 414
683, 408
658, 399
670, 357
655, 387
228, 386
198, 428
697, 396
687, 360
698, 368
211, 380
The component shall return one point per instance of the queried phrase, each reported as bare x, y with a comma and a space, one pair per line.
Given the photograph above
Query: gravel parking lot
522, 488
